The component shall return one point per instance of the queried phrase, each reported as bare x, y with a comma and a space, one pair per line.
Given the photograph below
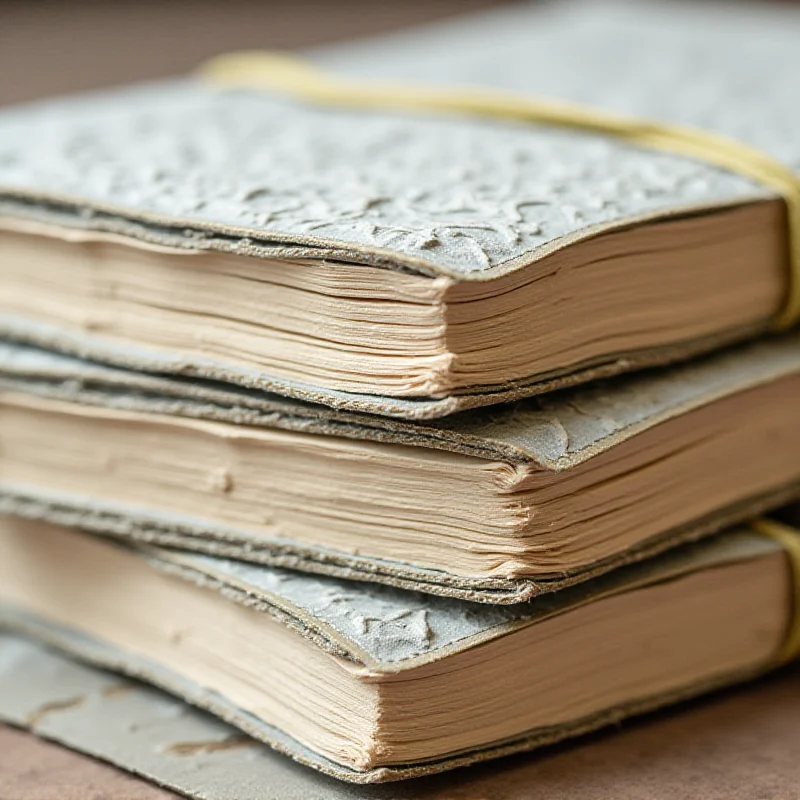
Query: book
411, 264
494, 505
739, 741
371, 683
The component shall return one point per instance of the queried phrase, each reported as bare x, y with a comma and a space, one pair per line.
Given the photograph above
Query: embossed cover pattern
185, 165
454, 195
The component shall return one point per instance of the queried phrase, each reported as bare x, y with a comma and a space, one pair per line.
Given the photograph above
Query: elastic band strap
300, 80
789, 539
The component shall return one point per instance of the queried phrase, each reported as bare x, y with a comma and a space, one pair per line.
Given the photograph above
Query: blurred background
52, 47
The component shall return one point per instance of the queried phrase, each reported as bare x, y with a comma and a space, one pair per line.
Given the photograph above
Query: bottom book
369, 683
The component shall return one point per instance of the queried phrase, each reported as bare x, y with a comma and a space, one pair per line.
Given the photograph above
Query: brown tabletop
49, 47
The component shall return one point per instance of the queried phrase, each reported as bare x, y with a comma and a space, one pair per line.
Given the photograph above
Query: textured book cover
413, 264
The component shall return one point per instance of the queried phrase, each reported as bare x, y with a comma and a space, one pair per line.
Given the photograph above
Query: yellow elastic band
789, 539
300, 80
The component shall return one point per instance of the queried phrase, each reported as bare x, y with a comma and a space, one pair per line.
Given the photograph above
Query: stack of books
396, 438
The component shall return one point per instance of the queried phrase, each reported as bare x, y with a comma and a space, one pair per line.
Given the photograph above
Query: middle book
496, 505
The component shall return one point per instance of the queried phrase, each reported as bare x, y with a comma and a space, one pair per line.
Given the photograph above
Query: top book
412, 263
